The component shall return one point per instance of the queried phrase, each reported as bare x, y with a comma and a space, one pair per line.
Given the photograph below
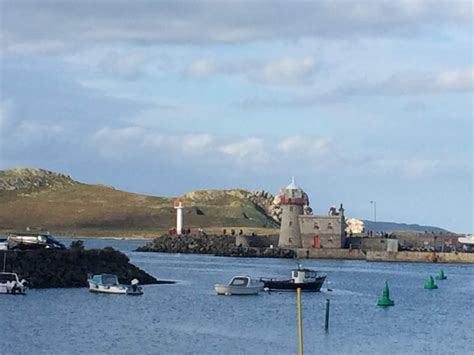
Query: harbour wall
345, 254
218, 245
421, 257
400, 256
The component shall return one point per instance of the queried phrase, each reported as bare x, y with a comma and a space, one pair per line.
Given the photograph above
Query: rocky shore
218, 245
48, 268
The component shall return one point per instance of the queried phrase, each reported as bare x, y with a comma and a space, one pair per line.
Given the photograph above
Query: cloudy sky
359, 101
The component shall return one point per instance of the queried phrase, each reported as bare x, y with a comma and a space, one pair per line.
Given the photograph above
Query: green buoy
441, 276
430, 285
385, 300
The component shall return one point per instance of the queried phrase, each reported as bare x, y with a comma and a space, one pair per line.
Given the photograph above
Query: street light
375, 210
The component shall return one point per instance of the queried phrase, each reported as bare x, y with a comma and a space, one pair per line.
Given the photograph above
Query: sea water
189, 318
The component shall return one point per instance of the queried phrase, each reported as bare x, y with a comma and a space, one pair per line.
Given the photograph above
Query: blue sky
359, 101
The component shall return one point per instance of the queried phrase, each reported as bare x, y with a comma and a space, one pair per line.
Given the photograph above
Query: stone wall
421, 257
367, 243
401, 256
425, 240
344, 254
219, 245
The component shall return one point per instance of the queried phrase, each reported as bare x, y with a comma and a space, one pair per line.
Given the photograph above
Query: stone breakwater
69, 268
219, 245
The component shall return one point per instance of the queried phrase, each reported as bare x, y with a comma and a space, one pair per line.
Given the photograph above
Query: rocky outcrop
48, 268
219, 245
28, 179
269, 203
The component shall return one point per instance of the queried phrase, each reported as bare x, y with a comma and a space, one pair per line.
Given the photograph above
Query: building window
316, 225
329, 225
290, 223
291, 208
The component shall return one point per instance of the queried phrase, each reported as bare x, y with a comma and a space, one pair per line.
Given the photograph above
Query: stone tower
292, 201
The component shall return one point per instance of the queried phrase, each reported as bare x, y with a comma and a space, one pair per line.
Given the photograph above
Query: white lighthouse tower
178, 205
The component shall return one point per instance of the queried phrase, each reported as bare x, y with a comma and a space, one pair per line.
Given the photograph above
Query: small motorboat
240, 285
10, 283
306, 279
107, 283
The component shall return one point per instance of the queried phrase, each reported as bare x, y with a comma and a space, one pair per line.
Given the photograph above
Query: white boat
107, 283
240, 285
10, 283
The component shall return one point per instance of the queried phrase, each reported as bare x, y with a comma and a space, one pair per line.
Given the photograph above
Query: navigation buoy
385, 300
441, 276
430, 284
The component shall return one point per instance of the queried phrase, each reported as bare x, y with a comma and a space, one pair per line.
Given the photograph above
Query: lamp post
375, 210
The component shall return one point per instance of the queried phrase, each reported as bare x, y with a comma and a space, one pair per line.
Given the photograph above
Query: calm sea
188, 318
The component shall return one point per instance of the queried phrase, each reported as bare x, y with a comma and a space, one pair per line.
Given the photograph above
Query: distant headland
38, 199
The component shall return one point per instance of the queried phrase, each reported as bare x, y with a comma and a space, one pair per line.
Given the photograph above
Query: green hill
42, 200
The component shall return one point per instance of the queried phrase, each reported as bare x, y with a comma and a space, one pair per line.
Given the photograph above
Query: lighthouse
178, 205
292, 201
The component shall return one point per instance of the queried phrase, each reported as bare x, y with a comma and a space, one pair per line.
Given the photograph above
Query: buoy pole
300, 321
326, 319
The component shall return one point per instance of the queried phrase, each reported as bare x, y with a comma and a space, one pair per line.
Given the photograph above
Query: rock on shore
219, 245
69, 268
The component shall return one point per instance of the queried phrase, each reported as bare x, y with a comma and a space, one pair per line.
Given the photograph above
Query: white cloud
40, 130
282, 71
139, 142
202, 68
41, 27
305, 145
119, 143
287, 71
194, 142
250, 149
455, 80
411, 168
125, 66
414, 83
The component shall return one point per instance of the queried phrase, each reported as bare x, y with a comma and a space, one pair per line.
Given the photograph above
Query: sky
358, 100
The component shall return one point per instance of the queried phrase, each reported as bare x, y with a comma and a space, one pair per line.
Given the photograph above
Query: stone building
303, 230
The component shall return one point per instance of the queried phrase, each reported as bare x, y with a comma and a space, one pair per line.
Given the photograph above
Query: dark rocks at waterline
49, 268
219, 245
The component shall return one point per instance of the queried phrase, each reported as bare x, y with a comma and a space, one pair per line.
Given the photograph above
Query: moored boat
107, 283
306, 279
240, 285
10, 283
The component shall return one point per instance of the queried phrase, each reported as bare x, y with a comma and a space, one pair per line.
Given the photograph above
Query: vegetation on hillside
42, 200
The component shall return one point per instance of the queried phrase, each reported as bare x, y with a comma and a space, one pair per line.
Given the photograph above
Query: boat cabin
240, 281
8, 277
105, 279
300, 276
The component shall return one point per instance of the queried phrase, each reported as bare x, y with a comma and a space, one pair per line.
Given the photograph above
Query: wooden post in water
300, 321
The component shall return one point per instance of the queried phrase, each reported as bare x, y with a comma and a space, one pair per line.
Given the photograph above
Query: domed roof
293, 185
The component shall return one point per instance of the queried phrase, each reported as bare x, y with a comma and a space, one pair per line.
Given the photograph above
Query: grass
100, 211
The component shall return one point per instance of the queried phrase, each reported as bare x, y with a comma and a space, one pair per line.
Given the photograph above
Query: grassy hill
43, 200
